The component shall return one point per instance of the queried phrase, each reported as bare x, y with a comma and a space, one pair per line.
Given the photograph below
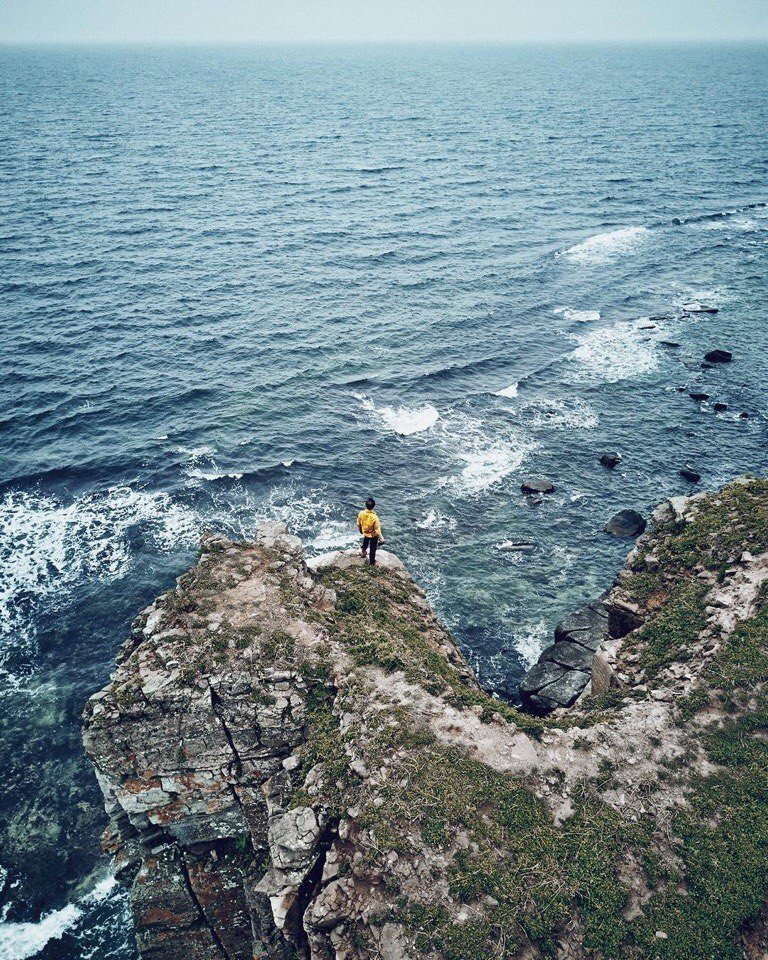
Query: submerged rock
626, 523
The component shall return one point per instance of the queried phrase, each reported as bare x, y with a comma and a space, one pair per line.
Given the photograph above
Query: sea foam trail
485, 457
404, 420
607, 246
619, 352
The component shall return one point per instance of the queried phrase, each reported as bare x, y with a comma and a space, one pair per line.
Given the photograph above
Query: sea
266, 283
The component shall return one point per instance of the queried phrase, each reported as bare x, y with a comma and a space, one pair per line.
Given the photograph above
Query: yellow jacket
368, 524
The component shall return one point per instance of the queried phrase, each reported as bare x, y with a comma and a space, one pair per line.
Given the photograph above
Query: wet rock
533, 485
516, 546
626, 523
548, 686
698, 395
719, 407
610, 460
564, 669
692, 476
567, 689
670, 344
699, 308
744, 416
718, 356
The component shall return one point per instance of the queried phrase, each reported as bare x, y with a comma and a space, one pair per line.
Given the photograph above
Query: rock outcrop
298, 762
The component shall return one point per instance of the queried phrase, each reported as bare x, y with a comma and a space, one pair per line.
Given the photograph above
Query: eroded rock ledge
299, 763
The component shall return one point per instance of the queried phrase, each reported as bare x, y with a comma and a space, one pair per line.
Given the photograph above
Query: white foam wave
742, 224
605, 247
578, 316
574, 414
404, 420
510, 391
487, 458
618, 352
19, 941
213, 475
435, 520
47, 548
530, 641
334, 535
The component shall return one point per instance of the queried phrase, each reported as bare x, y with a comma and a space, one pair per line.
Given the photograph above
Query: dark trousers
373, 543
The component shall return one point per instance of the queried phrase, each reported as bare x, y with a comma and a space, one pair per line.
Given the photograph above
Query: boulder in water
626, 523
610, 460
698, 395
531, 485
670, 344
691, 475
718, 356
719, 407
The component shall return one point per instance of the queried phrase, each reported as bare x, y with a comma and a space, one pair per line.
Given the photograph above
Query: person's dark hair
370, 503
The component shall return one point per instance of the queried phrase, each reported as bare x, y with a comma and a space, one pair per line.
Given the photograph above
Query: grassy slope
521, 877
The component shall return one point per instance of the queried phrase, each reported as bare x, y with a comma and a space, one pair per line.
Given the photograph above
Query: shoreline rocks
626, 523
301, 765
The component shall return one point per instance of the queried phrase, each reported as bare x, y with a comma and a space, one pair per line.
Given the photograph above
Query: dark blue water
266, 283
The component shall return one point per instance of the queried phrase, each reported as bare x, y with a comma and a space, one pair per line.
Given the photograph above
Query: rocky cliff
297, 762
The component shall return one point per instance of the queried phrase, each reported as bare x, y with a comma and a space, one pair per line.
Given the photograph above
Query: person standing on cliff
370, 526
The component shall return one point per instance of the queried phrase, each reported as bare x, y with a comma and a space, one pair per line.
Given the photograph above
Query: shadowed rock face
299, 763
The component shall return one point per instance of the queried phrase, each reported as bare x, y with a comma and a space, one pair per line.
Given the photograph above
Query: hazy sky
253, 21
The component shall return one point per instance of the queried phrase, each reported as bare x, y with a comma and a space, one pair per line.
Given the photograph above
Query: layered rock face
298, 762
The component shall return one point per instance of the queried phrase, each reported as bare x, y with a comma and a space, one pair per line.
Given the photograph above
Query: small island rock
718, 356
531, 485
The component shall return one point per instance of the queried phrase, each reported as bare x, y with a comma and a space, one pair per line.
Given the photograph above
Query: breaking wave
607, 246
47, 548
404, 420
578, 316
485, 458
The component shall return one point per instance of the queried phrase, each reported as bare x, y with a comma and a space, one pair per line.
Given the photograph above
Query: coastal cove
244, 286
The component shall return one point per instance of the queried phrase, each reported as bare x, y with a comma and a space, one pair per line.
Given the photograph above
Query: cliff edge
298, 762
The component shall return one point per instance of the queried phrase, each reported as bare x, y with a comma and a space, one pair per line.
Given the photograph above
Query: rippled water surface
247, 284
